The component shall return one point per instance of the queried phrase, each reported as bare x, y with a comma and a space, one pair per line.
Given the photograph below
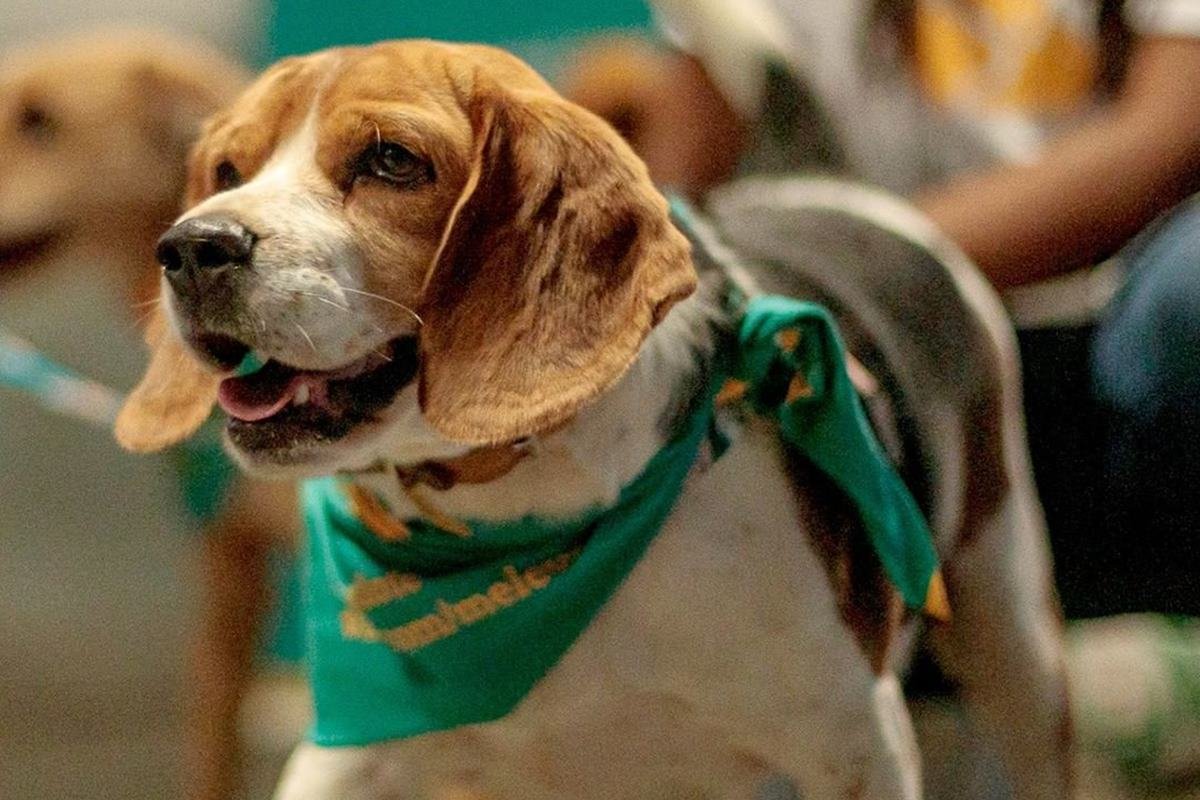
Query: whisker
325, 300
388, 300
137, 323
152, 301
307, 338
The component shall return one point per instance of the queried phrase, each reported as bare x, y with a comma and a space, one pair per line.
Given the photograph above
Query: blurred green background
540, 31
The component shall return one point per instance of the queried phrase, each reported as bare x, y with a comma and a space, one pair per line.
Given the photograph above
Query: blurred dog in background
94, 134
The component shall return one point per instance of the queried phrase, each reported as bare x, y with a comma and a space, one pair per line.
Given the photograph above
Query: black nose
204, 243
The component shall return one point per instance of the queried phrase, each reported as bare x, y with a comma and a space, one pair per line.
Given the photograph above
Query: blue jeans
1146, 355
1114, 414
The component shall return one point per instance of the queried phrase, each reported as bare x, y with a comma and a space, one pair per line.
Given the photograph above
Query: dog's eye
395, 164
34, 122
226, 176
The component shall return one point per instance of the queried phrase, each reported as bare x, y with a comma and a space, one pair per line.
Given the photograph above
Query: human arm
1092, 189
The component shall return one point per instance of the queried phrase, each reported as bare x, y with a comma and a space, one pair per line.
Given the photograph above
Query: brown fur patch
534, 313
867, 602
987, 477
173, 398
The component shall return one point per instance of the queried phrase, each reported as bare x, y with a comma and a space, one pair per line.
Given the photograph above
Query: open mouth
279, 407
26, 250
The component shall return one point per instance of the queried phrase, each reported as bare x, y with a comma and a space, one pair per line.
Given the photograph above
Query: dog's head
412, 235
94, 132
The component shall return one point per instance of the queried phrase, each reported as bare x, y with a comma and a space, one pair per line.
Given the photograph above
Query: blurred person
94, 131
1043, 136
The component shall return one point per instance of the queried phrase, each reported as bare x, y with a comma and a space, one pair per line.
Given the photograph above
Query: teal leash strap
24, 368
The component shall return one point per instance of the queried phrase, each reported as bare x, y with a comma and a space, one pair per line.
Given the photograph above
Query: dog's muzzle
205, 260
199, 249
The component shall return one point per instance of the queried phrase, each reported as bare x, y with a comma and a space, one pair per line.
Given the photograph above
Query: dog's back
910, 306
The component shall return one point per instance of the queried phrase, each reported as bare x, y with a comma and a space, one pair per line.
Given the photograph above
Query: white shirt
902, 125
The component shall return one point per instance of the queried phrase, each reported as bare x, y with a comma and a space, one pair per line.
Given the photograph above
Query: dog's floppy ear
558, 260
173, 399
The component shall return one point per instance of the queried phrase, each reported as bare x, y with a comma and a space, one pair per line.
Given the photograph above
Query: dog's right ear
174, 397
558, 260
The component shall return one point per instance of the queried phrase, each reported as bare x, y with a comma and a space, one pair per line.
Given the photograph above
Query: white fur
586, 464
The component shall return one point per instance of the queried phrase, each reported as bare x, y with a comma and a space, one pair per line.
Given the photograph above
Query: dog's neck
606, 445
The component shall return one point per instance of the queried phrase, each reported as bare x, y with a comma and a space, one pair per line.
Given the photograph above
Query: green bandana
416, 629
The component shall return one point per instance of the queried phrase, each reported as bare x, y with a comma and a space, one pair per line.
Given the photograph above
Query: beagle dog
472, 305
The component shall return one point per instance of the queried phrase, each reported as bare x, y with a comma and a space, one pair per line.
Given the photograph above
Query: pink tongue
254, 398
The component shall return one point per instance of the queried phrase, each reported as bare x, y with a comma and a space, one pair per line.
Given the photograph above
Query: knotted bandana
416, 628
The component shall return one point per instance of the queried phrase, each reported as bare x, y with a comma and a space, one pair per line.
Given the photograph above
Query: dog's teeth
301, 395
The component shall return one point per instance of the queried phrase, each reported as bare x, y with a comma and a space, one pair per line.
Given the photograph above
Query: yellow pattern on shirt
1018, 55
